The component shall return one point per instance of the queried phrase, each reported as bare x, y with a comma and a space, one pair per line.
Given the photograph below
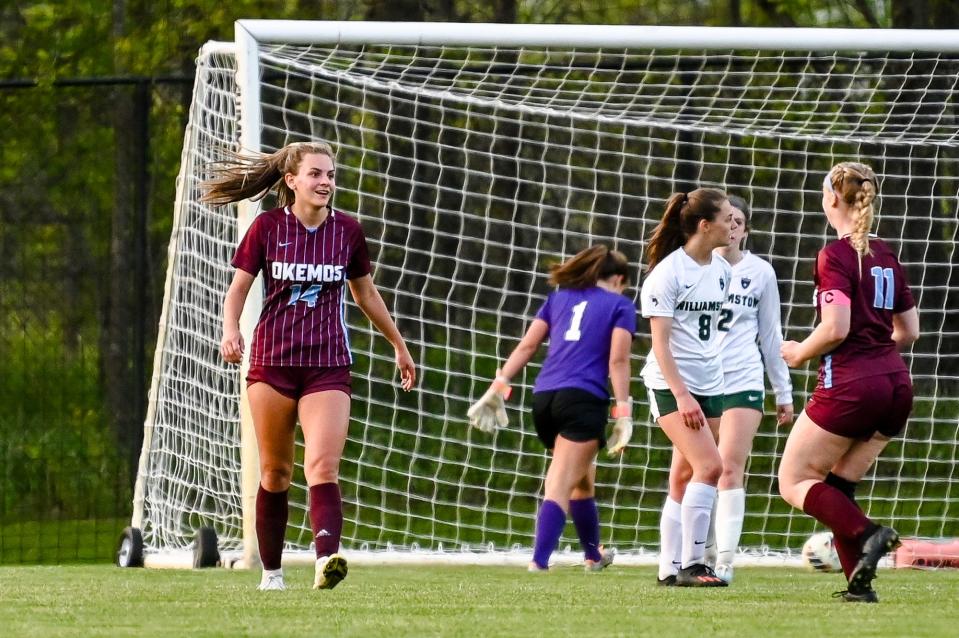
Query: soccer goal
474, 155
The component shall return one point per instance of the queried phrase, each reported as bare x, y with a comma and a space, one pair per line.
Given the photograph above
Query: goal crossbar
598, 36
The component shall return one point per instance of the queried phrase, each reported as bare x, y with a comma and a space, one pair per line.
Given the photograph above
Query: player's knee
680, 478
709, 471
731, 477
275, 478
788, 489
323, 471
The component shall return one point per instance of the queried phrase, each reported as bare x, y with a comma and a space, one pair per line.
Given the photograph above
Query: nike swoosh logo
699, 542
752, 398
282, 245
690, 285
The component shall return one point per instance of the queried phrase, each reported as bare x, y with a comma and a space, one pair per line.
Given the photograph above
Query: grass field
466, 601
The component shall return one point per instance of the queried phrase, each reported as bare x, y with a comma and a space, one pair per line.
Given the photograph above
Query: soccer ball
819, 553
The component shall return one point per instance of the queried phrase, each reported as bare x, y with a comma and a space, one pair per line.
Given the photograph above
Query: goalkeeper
590, 326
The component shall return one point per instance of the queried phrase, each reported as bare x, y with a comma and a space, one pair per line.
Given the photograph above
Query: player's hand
404, 363
489, 412
691, 412
784, 414
622, 429
231, 347
791, 352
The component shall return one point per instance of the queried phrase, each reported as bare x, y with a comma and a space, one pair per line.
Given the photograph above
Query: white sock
670, 538
711, 539
696, 508
730, 510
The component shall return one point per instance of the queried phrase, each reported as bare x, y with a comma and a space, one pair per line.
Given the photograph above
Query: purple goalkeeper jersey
877, 289
581, 323
303, 321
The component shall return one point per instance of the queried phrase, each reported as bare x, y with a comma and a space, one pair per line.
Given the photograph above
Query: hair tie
827, 182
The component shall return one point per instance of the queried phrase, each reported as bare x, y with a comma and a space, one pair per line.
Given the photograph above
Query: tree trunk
122, 351
735, 13
925, 14
505, 11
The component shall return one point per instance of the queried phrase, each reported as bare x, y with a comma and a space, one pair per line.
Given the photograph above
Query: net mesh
471, 170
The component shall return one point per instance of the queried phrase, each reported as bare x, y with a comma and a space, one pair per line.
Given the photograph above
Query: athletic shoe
699, 575
868, 596
605, 560
882, 541
330, 570
725, 572
272, 580
669, 581
536, 569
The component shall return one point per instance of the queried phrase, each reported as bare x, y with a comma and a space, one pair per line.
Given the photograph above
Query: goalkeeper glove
623, 428
489, 412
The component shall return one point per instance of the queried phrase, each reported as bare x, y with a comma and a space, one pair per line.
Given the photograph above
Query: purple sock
585, 517
549, 527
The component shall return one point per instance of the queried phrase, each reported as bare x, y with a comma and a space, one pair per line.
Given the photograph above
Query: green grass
66, 541
466, 601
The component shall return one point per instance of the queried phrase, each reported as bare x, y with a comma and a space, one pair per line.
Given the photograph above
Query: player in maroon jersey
864, 395
300, 357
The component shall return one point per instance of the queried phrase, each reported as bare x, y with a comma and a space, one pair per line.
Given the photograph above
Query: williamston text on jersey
743, 300
700, 306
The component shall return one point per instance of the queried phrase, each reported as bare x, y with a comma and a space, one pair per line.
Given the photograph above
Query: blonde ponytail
862, 215
855, 184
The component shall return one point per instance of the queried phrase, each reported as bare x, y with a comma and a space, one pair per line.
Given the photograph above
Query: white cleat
606, 559
536, 569
330, 570
725, 572
272, 580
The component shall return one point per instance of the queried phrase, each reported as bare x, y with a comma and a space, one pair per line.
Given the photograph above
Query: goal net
476, 155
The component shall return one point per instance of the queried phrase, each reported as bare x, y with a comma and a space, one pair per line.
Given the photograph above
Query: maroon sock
849, 553
326, 517
833, 509
272, 512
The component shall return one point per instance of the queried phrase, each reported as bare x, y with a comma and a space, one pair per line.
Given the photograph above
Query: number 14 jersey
303, 320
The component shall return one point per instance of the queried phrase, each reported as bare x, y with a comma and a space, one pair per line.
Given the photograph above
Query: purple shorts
296, 382
860, 408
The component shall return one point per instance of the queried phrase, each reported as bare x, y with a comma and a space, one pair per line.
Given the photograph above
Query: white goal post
476, 154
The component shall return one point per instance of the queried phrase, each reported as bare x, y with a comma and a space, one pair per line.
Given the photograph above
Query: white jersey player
683, 297
693, 296
750, 335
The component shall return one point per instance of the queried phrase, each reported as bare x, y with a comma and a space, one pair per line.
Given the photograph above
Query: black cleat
669, 581
880, 542
699, 575
867, 596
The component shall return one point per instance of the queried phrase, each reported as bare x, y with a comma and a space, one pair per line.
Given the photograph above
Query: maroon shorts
862, 407
295, 382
